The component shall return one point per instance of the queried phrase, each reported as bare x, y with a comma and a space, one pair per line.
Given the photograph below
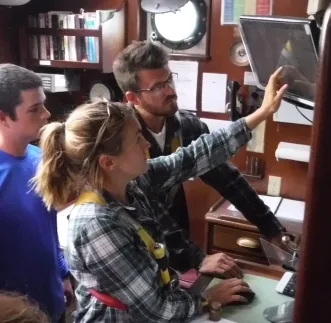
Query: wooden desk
263, 280
228, 231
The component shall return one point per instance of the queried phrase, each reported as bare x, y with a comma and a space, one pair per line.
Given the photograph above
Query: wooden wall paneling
221, 39
199, 199
9, 31
294, 174
7, 49
313, 294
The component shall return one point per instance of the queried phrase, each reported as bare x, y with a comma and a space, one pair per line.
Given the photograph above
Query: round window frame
190, 41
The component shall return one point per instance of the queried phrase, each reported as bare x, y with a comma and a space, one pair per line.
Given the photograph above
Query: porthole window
182, 29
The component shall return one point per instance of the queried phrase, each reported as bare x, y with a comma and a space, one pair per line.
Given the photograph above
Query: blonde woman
113, 233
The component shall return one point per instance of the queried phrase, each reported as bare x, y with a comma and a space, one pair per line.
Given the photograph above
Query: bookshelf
111, 40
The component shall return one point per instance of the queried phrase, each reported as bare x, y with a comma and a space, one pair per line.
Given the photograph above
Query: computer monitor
271, 42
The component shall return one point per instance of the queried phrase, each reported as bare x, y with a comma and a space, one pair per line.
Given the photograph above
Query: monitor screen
271, 42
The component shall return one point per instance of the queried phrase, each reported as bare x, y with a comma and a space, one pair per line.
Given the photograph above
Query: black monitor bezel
314, 32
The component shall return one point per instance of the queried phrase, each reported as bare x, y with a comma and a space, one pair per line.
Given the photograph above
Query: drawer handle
248, 243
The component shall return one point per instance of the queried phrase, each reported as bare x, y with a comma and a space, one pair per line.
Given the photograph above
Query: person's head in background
15, 308
142, 72
100, 146
22, 110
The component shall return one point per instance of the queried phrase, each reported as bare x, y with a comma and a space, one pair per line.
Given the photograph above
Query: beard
168, 108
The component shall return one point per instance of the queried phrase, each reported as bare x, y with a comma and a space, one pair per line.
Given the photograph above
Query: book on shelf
67, 48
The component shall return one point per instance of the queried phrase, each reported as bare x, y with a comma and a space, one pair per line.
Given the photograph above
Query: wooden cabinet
239, 243
110, 37
228, 231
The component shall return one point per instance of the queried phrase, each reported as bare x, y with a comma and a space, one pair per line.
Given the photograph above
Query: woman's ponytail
53, 181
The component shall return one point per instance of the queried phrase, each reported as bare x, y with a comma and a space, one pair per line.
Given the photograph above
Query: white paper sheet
186, 83
62, 226
232, 9
289, 114
291, 210
215, 124
214, 87
257, 143
271, 201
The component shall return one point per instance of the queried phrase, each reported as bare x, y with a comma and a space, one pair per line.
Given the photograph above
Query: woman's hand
273, 93
228, 291
220, 264
272, 98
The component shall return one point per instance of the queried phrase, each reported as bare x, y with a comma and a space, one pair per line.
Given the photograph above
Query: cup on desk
215, 311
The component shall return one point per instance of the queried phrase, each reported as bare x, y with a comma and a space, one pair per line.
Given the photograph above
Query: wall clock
100, 90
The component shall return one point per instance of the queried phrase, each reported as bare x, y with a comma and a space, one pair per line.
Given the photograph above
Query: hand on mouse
222, 265
228, 292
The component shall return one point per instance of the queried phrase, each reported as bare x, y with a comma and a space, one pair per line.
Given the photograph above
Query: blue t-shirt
31, 261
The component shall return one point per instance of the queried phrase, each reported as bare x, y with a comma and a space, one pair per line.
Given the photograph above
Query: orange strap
108, 300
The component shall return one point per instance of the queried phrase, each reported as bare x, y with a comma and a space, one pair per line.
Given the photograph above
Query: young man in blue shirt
31, 261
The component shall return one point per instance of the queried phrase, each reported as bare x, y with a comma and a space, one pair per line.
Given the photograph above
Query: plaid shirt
105, 252
225, 179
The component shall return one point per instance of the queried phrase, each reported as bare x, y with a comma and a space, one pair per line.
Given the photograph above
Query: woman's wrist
254, 119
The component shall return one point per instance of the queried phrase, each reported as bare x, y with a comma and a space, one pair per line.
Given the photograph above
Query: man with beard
143, 74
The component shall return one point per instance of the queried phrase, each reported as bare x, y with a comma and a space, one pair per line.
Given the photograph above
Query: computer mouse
248, 295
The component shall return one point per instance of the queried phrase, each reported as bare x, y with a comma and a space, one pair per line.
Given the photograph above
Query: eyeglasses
159, 87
